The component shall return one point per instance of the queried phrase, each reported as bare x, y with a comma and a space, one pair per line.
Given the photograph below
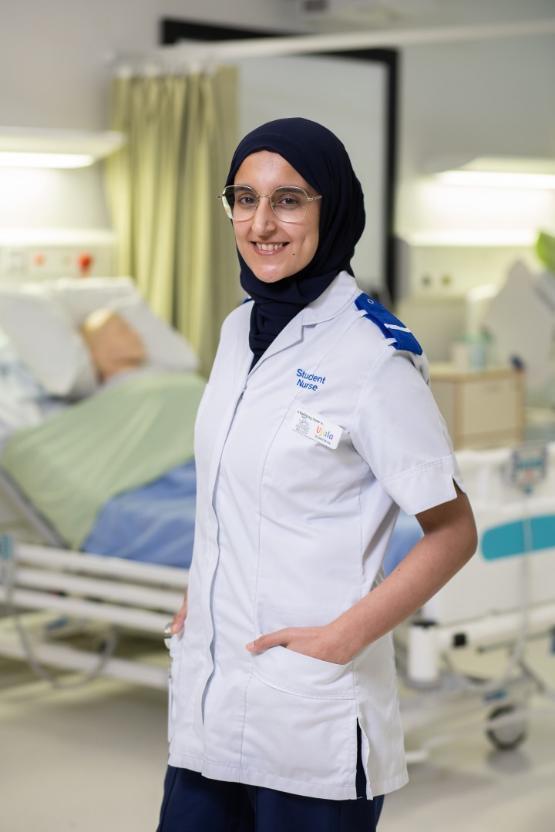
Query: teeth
269, 246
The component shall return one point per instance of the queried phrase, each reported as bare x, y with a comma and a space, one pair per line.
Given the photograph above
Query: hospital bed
70, 570
504, 598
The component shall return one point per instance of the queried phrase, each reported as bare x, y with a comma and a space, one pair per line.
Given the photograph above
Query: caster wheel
508, 736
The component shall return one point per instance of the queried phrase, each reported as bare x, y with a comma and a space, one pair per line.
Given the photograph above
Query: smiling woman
271, 247
316, 425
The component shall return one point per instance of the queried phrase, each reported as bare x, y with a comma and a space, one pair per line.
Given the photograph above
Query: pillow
17, 374
82, 295
165, 347
46, 341
114, 346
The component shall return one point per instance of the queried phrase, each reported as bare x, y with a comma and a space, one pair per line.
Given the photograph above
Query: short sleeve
398, 429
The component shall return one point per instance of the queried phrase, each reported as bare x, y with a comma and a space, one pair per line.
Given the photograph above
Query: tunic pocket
296, 673
301, 712
303, 675
303, 743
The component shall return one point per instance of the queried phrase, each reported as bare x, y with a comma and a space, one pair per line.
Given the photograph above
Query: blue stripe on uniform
391, 326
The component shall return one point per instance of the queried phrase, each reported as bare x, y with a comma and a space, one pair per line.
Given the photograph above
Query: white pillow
82, 295
46, 340
165, 347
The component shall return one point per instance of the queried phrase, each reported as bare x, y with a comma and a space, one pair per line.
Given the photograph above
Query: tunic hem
242, 774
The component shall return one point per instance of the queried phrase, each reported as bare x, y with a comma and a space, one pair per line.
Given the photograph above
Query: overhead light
8, 159
49, 148
44, 237
474, 237
496, 179
497, 172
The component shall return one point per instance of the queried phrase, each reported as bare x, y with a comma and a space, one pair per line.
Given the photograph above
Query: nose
263, 218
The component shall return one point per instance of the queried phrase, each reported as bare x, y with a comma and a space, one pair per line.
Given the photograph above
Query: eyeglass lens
288, 203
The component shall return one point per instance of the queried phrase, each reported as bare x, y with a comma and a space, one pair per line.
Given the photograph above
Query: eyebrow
246, 185
310, 191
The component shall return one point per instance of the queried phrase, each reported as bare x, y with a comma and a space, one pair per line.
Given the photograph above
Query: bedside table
482, 408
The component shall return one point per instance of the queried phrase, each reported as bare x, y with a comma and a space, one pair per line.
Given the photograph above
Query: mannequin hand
318, 642
178, 621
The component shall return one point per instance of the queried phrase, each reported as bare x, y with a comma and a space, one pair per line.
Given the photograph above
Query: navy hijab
321, 159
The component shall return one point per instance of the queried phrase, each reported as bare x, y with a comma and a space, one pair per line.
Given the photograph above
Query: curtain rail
193, 55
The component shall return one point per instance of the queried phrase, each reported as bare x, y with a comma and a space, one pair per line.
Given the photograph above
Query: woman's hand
317, 642
178, 621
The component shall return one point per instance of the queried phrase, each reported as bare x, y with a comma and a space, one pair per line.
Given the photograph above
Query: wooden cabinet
482, 408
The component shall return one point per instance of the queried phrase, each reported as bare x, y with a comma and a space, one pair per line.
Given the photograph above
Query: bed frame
48, 590
128, 596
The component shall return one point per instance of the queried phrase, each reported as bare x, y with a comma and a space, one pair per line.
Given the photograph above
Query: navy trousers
193, 803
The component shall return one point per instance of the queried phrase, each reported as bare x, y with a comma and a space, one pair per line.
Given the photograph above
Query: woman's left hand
318, 642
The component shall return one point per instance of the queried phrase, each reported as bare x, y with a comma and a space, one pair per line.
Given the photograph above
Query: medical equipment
501, 600
521, 319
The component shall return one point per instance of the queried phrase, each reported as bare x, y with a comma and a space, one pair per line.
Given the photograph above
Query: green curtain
173, 236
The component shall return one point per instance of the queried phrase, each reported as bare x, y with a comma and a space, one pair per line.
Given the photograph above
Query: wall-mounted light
9, 159
22, 147
497, 179
497, 172
474, 238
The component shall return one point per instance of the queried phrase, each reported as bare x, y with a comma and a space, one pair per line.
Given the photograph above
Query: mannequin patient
114, 346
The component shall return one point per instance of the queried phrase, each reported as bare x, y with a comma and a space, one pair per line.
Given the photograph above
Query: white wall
54, 54
487, 95
481, 98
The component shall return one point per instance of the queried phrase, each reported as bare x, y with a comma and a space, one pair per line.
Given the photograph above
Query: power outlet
13, 262
51, 261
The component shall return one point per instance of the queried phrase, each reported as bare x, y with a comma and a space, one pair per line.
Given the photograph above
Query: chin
270, 272
273, 277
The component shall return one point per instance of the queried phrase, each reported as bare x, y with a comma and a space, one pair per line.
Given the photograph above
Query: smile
269, 248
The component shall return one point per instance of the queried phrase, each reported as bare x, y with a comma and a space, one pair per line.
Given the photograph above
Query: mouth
268, 249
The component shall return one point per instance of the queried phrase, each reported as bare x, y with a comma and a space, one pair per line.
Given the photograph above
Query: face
273, 249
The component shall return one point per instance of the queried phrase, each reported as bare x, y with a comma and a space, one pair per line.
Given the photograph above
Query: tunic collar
342, 291
332, 301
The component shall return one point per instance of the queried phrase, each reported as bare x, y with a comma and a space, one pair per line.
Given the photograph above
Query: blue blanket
406, 534
154, 523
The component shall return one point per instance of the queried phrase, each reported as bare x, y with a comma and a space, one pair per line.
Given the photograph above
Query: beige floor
93, 759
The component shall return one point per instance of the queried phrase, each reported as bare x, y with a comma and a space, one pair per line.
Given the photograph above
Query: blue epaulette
391, 326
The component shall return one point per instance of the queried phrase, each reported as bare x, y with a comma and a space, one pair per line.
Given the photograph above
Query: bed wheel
508, 736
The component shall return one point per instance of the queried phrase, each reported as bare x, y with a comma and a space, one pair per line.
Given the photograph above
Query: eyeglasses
288, 202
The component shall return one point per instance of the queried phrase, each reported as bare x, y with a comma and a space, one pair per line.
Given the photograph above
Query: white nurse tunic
302, 463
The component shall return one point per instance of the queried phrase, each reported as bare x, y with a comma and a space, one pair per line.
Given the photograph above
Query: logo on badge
303, 425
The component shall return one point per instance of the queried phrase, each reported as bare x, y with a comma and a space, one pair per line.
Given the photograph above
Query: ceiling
343, 15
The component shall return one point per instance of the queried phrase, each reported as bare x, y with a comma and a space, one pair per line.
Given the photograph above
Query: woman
316, 424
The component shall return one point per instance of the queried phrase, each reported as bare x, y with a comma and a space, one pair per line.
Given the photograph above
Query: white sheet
23, 402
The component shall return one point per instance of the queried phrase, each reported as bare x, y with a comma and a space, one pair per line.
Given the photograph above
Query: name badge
311, 426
